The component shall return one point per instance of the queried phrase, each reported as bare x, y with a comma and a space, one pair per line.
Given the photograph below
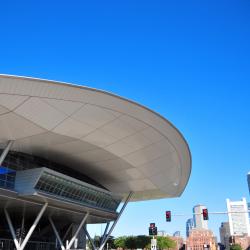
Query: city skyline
187, 61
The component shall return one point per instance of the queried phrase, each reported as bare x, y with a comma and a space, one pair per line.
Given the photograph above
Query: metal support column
105, 232
56, 233
65, 235
90, 239
6, 151
22, 246
32, 228
77, 231
115, 222
13, 234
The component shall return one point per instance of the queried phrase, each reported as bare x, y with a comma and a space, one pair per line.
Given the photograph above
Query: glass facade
83, 190
73, 191
7, 178
16, 161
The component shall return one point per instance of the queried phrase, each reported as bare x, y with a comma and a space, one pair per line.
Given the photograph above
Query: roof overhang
119, 143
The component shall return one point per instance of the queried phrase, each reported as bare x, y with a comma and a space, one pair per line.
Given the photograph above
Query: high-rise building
198, 217
224, 234
238, 217
189, 226
248, 181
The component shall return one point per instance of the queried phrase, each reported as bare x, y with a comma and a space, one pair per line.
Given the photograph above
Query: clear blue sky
188, 60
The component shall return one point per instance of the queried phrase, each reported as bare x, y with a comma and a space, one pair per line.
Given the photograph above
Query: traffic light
155, 231
205, 214
152, 230
168, 216
152, 225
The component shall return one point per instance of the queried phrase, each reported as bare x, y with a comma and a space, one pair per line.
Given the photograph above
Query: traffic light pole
240, 212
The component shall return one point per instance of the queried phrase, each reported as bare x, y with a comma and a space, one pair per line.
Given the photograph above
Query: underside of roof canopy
122, 145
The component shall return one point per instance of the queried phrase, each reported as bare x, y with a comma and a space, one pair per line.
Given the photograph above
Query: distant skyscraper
189, 226
238, 221
248, 181
198, 217
225, 234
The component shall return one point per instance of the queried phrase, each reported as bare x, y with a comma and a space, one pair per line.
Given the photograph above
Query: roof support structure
115, 222
12, 231
105, 232
66, 233
90, 239
31, 230
105, 235
5, 152
56, 233
77, 231
69, 245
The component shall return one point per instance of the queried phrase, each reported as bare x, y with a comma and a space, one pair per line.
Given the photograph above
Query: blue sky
188, 60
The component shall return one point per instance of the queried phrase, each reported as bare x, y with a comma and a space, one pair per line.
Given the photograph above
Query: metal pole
90, 239
56, 233
33, 226
65, 235
5, 152
77, 231
115, 222
11, 229
105, 232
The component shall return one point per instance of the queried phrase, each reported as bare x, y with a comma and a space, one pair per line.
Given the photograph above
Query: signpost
153, 231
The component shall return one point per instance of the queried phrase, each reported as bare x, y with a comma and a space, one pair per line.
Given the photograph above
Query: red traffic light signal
168, 216
152, 225
205, 214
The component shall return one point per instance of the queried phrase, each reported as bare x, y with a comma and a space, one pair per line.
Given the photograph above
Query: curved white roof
122, 145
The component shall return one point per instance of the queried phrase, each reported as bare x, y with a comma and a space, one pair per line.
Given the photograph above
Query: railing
8, 244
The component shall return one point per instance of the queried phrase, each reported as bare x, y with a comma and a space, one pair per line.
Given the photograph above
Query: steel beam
65, 235
56, 233
12, 231
5, 152
105, 232
90, 239
22, 246
115, 222
32, 228
77, 231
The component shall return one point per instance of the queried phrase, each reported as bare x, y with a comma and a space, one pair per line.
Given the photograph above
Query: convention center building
72, 155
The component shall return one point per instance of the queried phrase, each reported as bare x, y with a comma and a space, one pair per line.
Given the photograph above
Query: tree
166, 242
130, 242
97, 240
142, 241
120, 242
235, 247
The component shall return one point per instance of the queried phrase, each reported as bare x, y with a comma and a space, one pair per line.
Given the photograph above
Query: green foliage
235, 247
166, 242
97, 240
111, 242
120, 242
140, 241
132, 242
